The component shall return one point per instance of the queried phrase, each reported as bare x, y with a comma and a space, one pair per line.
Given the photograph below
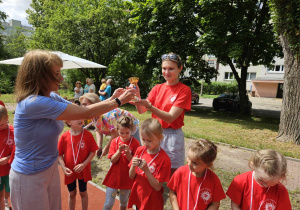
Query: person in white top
92, 86
78, 90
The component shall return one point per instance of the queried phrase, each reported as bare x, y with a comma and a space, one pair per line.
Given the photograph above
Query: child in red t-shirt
150, 167
120, 154
261, 188
6, 146
76, 149
195, 186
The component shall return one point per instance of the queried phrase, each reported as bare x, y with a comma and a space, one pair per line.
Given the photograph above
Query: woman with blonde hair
38, 124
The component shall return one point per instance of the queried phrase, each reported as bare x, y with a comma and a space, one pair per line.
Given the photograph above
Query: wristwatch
118, 101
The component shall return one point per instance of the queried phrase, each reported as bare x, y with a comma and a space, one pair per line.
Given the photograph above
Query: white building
261, 81
10, 27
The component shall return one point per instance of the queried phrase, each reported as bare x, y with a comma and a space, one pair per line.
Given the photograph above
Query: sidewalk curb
252, 150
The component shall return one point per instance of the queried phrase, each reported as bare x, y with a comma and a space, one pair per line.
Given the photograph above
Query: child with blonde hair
6, 147
261, 187
77, 148
150, 168
103, 85
120, 154
195, 185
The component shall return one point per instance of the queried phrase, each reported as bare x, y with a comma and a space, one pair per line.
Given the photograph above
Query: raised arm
74, 112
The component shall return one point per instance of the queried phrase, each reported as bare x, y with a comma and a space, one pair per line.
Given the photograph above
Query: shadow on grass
249, 122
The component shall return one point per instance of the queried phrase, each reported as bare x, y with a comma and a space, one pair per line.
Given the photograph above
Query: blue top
86, 89
36, 132
108, 93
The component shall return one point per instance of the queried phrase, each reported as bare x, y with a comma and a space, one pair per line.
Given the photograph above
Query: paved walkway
96, 196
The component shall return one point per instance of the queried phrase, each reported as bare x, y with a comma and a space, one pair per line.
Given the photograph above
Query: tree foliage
286, 16
167, 26
96, 30
3, 16
228, 29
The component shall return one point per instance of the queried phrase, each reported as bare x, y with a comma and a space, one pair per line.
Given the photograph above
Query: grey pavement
261, 107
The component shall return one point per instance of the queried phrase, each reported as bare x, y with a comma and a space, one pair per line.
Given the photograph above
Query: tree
167, 26
96, 30
3, 16
229, 29
286, 17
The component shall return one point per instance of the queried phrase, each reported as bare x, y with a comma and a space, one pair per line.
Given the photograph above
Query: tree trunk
244, 100
289, 128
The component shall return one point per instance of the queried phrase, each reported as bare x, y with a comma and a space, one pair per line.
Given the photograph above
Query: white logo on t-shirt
173, 98
82, 145
8, 141
152, 168
206, 195
270, 204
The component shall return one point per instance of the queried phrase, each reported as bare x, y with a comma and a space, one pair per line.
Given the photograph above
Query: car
195, 97
229, 101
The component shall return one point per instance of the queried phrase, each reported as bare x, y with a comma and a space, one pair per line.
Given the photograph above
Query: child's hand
67, 171
4, 160
127, 149
121, 147
136, 161
78, 168
143, 165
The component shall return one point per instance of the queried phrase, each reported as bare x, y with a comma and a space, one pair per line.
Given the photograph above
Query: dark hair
205, 151
76, 101
3, 112
125, 122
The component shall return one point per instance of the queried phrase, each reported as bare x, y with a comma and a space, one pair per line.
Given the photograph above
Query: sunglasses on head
173, 57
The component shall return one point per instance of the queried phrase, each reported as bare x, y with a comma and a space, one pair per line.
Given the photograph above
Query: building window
251, 76
277, 68
211, 63
229, 76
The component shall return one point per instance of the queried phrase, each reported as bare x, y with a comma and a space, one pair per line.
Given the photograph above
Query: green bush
216, 88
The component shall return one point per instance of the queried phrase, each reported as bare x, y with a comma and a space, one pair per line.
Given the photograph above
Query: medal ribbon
265, 195
188, 198
150, 161
79, 145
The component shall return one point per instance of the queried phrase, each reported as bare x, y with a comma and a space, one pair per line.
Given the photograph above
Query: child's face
124, 133
76, 123
196, 166
264, 180
3, 122
151, 143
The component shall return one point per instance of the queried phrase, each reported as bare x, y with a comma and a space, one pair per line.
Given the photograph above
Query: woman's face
78, 84
170, 71
85, 102
54, 86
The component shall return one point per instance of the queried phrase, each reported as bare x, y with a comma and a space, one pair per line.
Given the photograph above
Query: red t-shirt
239, 191
65, 149
163, 97
1, 103
142, 194
7, 144
118, 174
211, 188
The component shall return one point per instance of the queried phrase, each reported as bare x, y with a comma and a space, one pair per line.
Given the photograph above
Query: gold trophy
133, 81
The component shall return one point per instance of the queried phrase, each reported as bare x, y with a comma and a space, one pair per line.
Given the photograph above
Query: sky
15, 9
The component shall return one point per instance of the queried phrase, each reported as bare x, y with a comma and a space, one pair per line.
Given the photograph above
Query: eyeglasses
173, 57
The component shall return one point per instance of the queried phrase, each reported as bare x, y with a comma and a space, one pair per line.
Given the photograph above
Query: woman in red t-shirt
168, 102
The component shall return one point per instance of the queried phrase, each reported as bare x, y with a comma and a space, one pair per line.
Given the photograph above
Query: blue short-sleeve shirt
36, 132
